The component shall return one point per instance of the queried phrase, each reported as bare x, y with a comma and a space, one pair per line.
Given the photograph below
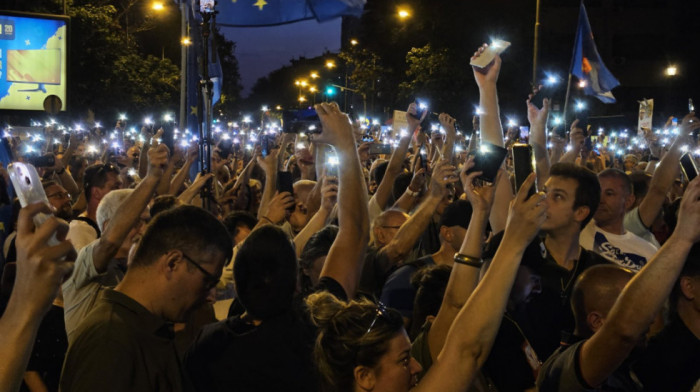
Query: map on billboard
33, 60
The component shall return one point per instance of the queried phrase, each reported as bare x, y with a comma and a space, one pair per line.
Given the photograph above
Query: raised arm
40, 271
415, 225
448, 123
184, 171
471, 336
666, 172
538, 136
643, 297
393, 169
489, 118
463, 278
318, 220
576, 139
344, 261
130, 210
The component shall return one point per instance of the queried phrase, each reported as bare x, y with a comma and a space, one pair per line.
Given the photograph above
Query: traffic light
330, 90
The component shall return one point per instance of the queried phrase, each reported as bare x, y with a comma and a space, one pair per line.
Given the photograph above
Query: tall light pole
185, 43
536, 44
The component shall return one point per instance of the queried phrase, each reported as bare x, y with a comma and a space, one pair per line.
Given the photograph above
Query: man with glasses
59, 199
98, 181
126, 343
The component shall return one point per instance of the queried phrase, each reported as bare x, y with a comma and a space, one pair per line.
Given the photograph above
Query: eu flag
587, 64
248, 13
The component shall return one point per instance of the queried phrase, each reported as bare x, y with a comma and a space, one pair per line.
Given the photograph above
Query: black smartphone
332, 167
423, 155
42, 160
523, 165
285, 182
267, 143
225, 147
168, 137
421, 107
298, 121
688, 165
488, 158
376, 149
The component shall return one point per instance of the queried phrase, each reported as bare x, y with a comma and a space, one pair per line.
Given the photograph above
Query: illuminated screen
33, 59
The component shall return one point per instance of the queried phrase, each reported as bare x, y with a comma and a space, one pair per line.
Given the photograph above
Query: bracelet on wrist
468, 260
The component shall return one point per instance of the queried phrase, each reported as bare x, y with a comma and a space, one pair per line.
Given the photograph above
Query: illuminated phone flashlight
113, 135
236, 140
434, 127
246, 119
375, 122
422, 151
484, 149
458, 148
91, 149
568, 148
580, 105
495, 43
167, 117
598, 145
264, 108
56, 141
312, 127
422, 105
551, 80
184, 143
549, 145
512, 123
148, 121
556, 120
115, 145
674, 131
478, 111
6, 134
620, 151
600, 131
684, 148
301, 146
225, 136
248, 146
29, 149
253, 138
614, 134
217, 129
131, 171
333, 160
362, 119
122, 116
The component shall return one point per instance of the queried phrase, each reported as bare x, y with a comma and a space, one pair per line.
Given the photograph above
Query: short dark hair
401, 183
96, 176
620, 175
378, 173
588, 189
640, 183
188, 228
690, 268
264, 273
317, 246
163, 203
236, 219
430, 283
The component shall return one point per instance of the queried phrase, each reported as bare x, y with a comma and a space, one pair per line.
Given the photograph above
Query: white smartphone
29, 190
496, 47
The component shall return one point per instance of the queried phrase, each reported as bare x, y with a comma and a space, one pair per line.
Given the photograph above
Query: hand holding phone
488, 158
27, 184
487, 53
523, 165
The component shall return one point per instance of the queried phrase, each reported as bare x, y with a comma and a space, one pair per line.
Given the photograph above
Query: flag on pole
249, 13
587, 64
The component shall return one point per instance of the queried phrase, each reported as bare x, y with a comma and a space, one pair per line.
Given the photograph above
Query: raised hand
487, 76
577, 136
447, 123
337, 129
157, 160
443, 175
537, 116
526, 215
329, 192
411, 112
41, 268
479, 193
689, 124
276, 209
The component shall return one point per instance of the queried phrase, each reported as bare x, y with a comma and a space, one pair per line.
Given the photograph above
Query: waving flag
587, 64
249, 13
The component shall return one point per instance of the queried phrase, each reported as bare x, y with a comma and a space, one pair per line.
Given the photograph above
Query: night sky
261, 50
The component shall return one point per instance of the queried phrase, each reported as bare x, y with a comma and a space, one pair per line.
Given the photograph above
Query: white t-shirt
627, 250
633, 222
80, 234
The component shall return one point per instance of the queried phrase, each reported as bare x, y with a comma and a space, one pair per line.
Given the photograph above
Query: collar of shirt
147, 320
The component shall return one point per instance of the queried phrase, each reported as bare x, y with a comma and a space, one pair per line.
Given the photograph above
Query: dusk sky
263, 49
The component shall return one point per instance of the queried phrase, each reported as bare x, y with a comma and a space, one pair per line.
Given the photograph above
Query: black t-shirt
49, 349
548, 314
512, 364
276, 355
377, 268
671, 361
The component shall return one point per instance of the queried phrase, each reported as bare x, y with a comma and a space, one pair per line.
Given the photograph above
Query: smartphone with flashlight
332, 166
689, 167
488, 158
423, 155
285, 183
497, 47
300, 121
206, 6
523, 165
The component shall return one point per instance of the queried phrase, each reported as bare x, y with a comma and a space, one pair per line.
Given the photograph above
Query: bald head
595, 293
386, 225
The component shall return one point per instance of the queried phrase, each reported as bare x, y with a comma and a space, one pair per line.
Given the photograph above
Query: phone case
29, 190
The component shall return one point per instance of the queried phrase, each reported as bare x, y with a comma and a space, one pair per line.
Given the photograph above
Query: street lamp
353, 42
186, 41
671, 70
403, 13
158, 6
330, 64
314, 75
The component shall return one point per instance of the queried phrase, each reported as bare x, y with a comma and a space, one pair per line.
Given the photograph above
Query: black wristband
468, 260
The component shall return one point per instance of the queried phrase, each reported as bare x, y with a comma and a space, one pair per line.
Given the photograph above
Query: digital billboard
33, 60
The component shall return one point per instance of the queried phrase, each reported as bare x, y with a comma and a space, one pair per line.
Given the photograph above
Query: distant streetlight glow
353, 42
314, 75
582, 84
330, 64
404, 13
580, 105
186, 41
671, 70
158, 6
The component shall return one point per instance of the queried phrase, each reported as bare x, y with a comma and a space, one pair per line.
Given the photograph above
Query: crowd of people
342, 269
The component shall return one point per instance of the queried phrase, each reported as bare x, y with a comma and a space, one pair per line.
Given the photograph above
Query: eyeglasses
209, 279
380, 312
59, 195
